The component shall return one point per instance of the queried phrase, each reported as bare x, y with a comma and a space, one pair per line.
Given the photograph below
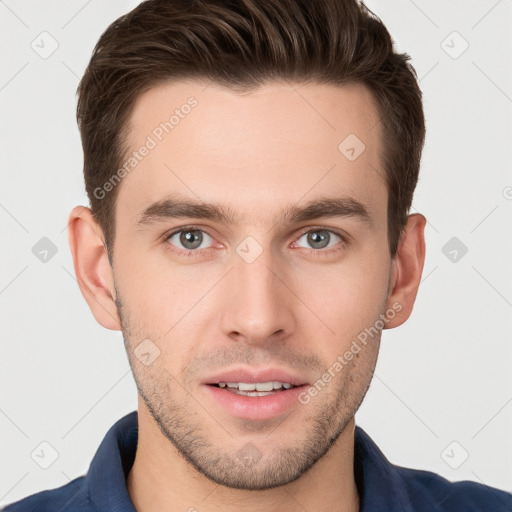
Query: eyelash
201, 252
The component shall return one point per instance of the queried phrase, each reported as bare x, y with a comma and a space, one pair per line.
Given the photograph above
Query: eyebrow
175, 208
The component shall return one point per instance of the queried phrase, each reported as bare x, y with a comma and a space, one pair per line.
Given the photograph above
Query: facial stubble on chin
243, 466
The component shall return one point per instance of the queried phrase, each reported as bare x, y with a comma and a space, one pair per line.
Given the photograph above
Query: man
250, 167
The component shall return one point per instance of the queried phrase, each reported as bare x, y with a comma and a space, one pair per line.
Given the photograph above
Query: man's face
261, 296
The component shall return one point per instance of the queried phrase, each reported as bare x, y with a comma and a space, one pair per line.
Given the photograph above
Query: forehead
256, 151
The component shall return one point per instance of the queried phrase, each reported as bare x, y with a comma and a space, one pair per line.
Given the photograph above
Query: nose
259, 306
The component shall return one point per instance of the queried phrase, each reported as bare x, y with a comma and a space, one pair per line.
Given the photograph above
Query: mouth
255, 394
255, 389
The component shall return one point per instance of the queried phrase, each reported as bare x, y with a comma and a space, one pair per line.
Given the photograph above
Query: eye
320, 239
190, 239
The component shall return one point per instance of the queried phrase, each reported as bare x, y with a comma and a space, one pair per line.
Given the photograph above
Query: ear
92, 267
407, 267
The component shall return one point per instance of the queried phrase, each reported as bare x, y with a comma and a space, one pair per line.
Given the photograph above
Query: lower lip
256, 407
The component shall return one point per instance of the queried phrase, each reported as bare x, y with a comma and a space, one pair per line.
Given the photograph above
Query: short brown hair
242, 44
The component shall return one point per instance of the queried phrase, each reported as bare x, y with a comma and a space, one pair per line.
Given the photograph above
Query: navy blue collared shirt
382, 486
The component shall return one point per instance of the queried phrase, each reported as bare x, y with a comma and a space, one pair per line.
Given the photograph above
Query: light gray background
442, 388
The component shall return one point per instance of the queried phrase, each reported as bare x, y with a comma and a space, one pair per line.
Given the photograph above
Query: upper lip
253, 376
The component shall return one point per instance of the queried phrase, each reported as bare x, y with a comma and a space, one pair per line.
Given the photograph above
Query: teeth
254, 393
242, 386
256, 386
263, 386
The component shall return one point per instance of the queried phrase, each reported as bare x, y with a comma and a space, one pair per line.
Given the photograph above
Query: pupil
191, 239
318, 239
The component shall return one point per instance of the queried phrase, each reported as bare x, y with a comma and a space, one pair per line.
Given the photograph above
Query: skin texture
296, 307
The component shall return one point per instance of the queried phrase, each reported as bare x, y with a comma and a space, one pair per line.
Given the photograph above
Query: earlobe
407, 270
92, 267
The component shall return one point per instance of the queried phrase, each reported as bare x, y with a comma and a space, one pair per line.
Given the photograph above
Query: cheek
161, 297
351, 293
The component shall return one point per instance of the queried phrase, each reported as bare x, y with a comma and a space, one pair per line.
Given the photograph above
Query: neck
161, 479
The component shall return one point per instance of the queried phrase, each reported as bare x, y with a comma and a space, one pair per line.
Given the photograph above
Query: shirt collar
379, 485
378, 482
106, 479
